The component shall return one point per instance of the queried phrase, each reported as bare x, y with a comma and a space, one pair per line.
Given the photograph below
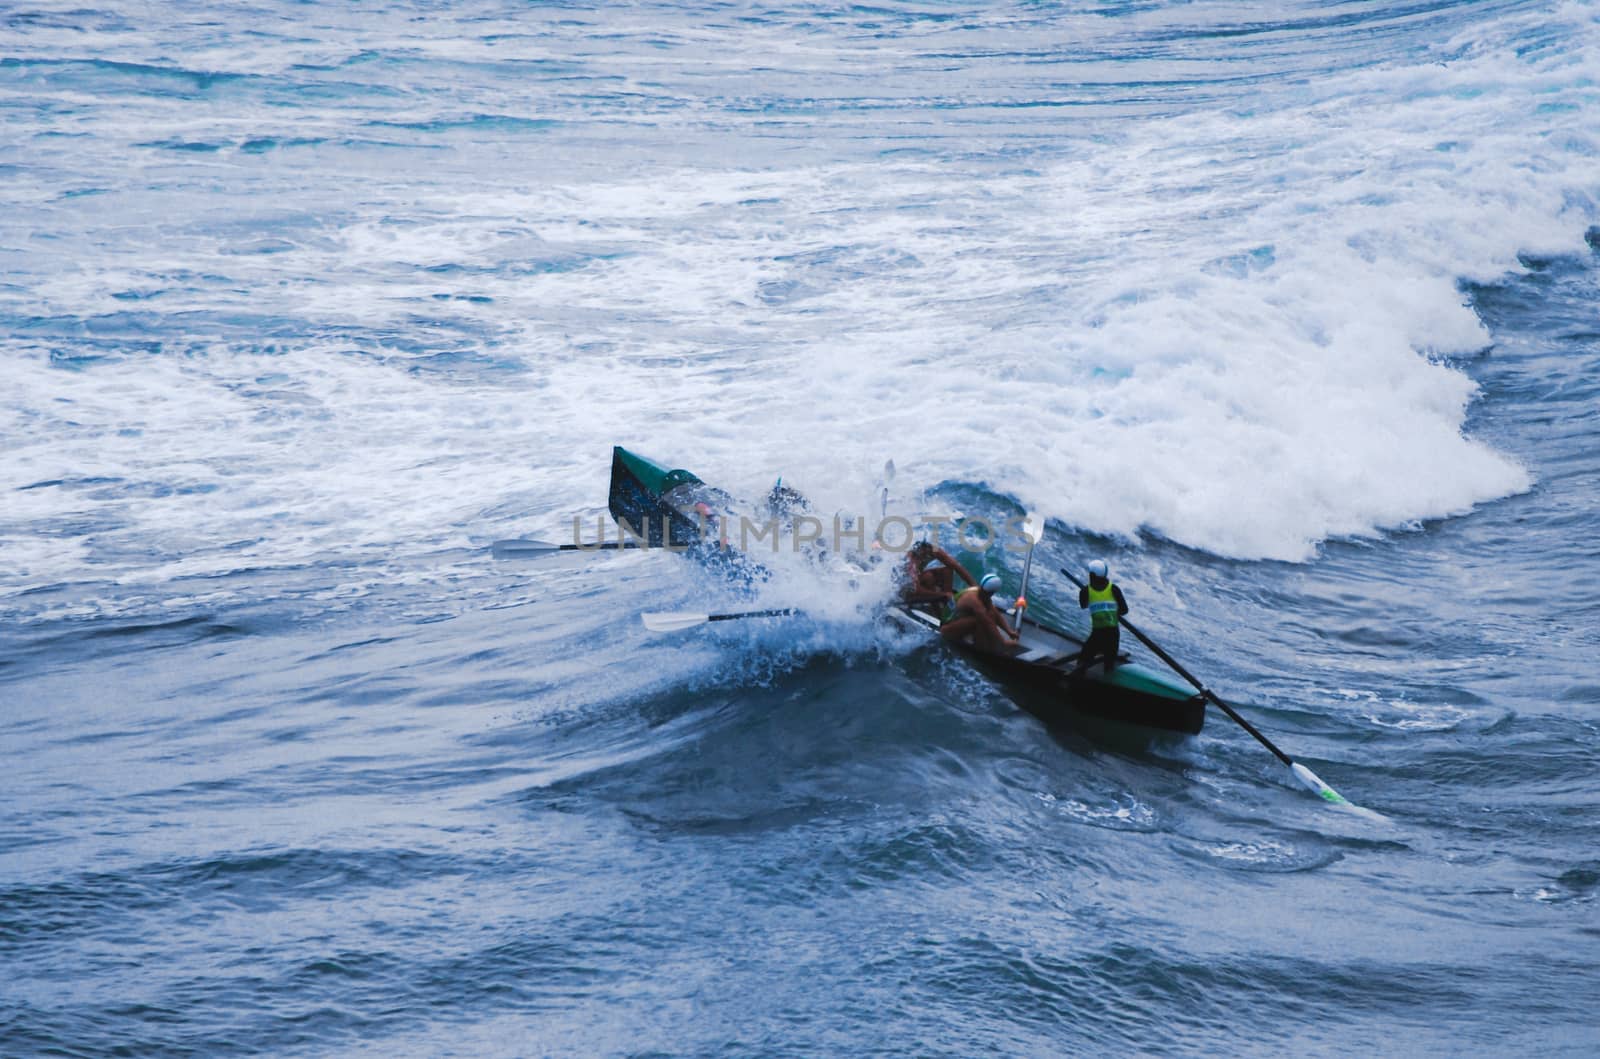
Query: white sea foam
1234, 324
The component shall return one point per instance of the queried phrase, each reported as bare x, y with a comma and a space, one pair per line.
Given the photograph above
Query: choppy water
1289, 312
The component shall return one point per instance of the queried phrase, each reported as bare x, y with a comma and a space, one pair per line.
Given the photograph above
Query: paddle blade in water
1310, 779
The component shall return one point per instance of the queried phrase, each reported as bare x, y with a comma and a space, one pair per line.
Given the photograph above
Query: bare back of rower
976, 616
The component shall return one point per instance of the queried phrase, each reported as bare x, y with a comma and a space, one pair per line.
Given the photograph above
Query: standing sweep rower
1106, 607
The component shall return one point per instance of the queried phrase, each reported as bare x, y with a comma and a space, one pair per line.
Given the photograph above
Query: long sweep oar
672, 621
1301, 773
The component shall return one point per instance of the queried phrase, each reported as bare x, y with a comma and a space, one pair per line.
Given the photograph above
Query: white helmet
990, 583
1098, 568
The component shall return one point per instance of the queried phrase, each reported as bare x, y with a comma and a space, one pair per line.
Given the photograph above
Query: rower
710, 520
784, 501
976, 615
1103, 600
930, 577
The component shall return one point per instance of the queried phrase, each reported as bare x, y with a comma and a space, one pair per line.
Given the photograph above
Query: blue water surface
1288, 312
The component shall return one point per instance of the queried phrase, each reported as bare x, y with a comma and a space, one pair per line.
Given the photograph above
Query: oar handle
1020, 608
775, 613
1206, 692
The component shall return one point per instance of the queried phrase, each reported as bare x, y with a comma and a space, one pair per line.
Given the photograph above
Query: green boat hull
1042, 679
659, 503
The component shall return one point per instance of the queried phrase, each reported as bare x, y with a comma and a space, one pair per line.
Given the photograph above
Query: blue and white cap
990, 583
1098, 568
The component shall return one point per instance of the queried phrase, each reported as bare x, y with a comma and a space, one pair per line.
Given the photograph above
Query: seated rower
783, 501
713, 527
976, 615
930, 576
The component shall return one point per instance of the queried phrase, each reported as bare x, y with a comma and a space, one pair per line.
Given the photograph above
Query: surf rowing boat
1040, 678
674, 508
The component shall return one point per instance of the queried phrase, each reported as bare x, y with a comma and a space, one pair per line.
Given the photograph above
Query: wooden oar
1301, 773
672, 621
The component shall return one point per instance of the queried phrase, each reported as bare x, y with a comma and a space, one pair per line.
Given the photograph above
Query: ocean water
1288, 310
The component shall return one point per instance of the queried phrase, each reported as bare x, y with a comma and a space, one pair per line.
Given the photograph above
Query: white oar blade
1311, 780
672, 621
1333, 797
1033, 527
883, 489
